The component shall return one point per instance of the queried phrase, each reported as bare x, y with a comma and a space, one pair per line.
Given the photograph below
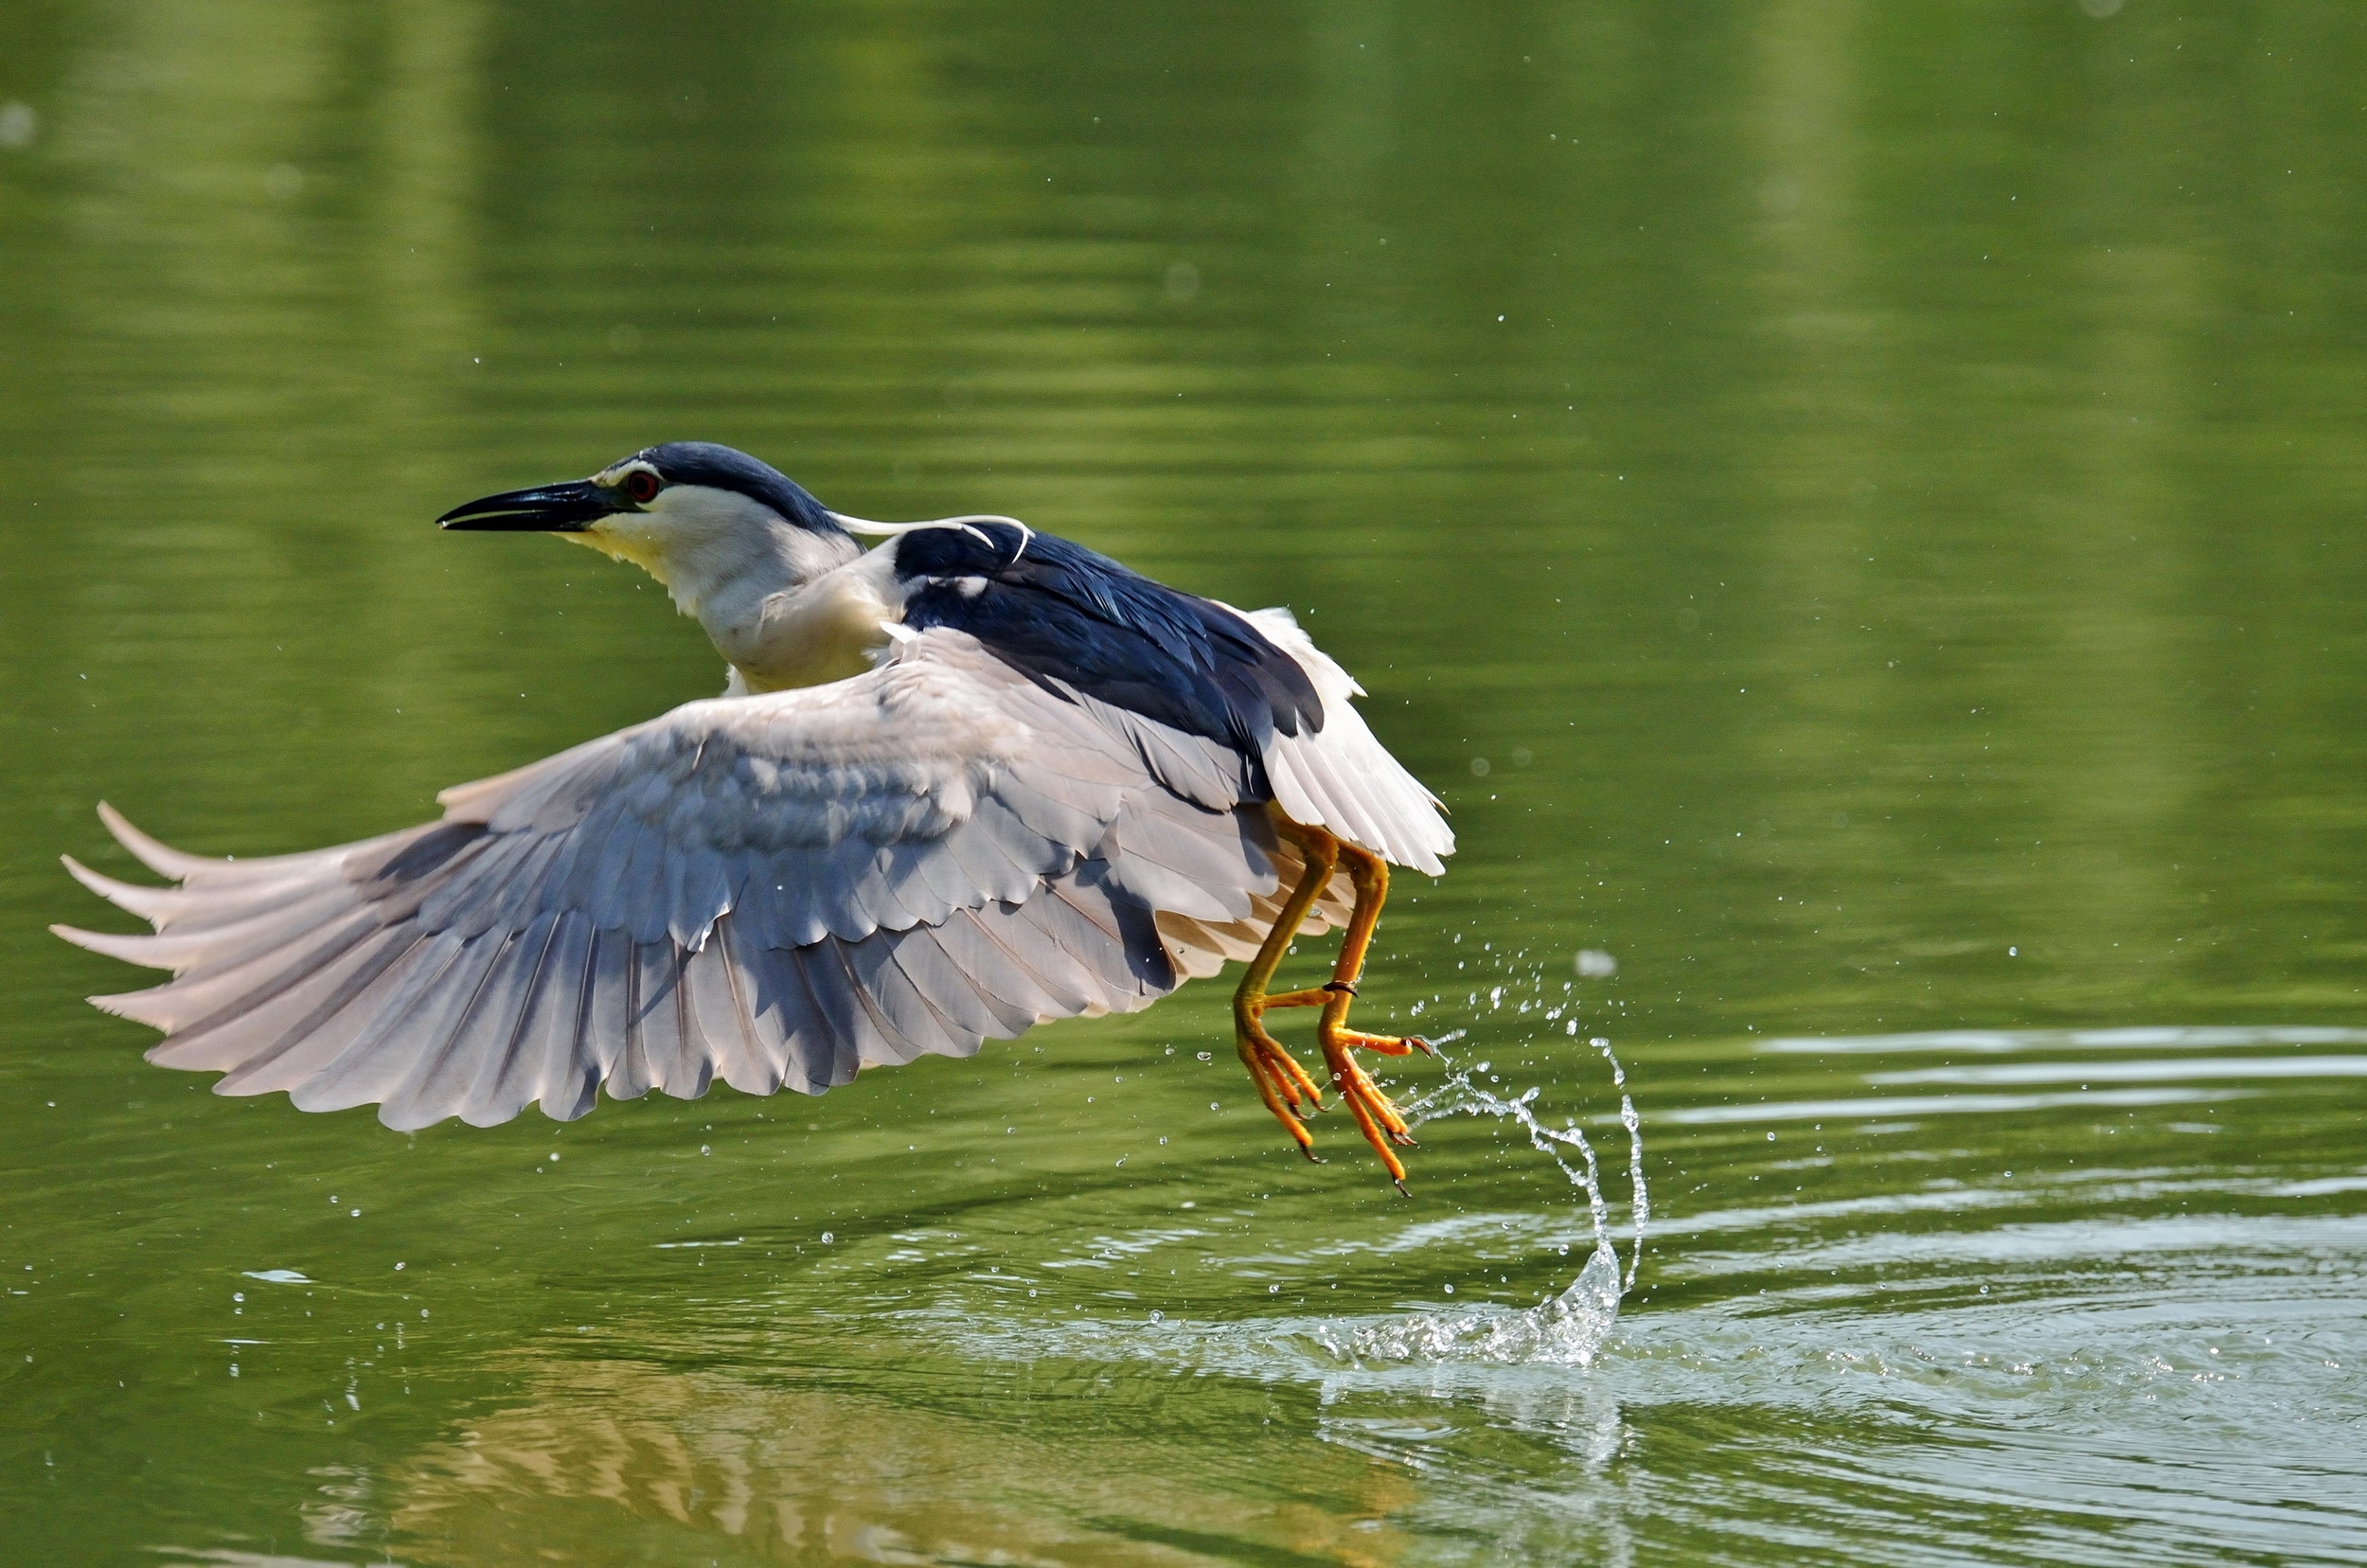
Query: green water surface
1856, 508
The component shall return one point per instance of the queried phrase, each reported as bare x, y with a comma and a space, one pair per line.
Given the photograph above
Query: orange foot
1282, 1083
1376, 1117
1286, 1087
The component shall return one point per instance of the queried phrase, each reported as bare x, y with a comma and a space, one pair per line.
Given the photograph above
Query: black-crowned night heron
974, 779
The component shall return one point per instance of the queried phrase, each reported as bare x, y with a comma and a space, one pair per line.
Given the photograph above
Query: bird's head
695, 515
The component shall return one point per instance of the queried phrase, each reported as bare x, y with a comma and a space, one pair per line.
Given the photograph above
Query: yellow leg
1376, 1117
1282, 1083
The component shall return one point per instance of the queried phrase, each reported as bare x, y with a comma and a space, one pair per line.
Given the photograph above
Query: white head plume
864, 525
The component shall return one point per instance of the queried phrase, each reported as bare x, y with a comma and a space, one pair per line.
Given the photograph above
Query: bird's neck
818, 632
752, 589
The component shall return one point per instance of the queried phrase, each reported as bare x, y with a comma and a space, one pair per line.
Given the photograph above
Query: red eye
641, 486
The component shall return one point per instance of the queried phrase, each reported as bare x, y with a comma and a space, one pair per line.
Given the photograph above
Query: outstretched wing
771, 890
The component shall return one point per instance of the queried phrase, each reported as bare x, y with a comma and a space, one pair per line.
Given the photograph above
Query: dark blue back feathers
1057, 612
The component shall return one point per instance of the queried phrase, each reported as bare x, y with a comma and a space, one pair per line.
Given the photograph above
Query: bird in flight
974, 780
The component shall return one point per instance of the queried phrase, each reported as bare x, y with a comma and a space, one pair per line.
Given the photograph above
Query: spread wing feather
1342, 777
774, 890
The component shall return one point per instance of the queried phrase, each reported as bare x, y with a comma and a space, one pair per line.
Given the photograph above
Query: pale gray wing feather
1200, 948
492, 1052
776, 890
966, 996
1168, 859
1341, 777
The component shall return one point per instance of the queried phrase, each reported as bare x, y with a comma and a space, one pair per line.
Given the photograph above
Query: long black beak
570, 507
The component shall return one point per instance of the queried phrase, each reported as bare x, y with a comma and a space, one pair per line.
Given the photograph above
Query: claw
1403, 1191
1282, 1083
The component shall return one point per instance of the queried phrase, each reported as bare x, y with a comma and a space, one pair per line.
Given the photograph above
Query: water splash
1568, 1328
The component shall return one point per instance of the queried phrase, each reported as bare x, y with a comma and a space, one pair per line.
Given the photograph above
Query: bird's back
1084, 626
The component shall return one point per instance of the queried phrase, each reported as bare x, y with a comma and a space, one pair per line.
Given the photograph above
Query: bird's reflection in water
609, 1461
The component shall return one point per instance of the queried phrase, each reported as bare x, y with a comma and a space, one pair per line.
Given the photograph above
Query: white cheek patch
592, 538
627, 543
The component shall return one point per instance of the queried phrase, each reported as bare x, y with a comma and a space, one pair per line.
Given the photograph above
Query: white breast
825, 630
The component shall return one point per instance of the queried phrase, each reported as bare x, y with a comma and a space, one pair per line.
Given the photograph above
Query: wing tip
127, 1005
156, 855
1429, 859
131, 948
149, 903
96, 881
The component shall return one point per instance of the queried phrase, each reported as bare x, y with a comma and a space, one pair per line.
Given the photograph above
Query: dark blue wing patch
1057, 612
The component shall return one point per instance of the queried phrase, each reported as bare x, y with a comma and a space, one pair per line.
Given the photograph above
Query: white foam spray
1569, 1328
